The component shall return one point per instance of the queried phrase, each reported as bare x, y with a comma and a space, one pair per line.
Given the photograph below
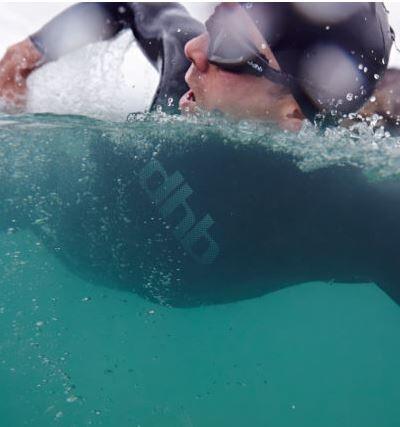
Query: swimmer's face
240, 96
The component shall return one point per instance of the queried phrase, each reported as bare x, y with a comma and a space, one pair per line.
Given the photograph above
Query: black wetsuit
161, 29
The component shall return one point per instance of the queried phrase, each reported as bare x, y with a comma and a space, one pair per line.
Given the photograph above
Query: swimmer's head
237, 95
284, 62
385, 102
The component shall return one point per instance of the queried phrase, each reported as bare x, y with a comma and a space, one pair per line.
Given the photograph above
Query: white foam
106, 80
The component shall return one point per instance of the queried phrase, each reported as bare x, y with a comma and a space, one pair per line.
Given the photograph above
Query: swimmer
278, 62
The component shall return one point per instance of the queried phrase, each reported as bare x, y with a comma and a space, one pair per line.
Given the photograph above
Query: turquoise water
73, 353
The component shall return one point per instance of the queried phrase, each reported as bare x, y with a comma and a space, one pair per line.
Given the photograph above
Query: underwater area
88, 333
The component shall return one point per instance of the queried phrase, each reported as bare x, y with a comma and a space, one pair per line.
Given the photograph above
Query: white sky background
80, 85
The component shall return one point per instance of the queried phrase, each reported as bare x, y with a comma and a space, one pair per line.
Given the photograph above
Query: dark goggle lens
228, 44
231, 48
225, 47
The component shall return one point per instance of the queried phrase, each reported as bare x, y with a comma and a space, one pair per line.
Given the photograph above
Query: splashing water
371, 149
362, 145
106, 80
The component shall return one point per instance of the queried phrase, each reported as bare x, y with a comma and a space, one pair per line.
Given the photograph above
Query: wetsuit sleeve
161, 30
79, 25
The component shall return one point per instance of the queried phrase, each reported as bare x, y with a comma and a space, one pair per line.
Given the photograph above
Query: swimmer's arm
77, 26
80, 25
86, 23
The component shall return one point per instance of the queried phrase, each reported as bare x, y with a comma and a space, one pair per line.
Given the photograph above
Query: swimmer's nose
196, 50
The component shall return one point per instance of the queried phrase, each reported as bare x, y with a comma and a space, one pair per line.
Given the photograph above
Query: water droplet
178, 30
327, 28
360, 66
376, 76
372, 99
170, 102
365, 69
349, 97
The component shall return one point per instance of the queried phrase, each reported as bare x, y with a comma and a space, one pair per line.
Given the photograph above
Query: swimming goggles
237, 45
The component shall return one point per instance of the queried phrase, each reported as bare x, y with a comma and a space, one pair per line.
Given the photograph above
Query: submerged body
198, 221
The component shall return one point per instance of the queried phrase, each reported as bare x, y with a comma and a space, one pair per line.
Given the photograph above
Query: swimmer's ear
291, 118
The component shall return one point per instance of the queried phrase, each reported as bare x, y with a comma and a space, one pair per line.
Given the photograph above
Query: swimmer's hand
16, 65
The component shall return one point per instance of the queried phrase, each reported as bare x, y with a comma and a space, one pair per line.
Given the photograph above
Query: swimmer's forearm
80, 25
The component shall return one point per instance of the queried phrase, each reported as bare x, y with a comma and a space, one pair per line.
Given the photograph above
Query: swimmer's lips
187, 103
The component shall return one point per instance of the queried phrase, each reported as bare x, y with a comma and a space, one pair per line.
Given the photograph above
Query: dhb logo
168, 196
